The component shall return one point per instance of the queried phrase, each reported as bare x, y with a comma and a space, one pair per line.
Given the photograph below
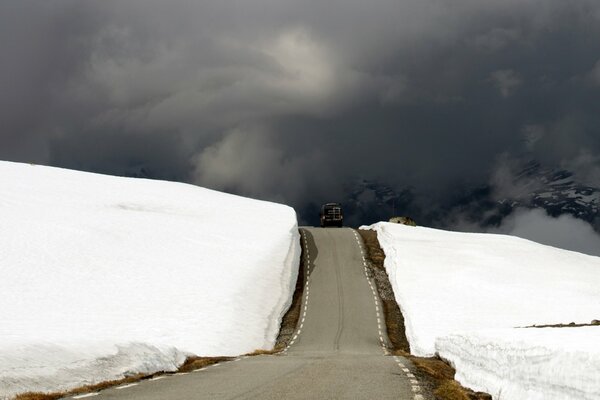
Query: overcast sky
289, 100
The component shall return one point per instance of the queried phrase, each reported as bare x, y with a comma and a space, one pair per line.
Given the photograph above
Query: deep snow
528, 364
452, 285
103, 276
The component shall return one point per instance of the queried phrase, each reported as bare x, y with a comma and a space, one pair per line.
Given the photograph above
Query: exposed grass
190, 364
440, 374
393, 316
261, 352
292, 316
194, 363
38, 396
432, 366
450, 390
81, 390
569, 325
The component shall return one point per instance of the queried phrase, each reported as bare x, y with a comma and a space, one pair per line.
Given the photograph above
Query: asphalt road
337, 352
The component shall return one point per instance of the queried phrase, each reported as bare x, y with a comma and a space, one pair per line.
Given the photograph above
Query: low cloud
509, 181
595, 73
565, 232
506, 81
586, 166
496, 39
250, 162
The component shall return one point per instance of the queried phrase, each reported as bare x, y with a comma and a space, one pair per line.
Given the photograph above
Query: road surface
338, 348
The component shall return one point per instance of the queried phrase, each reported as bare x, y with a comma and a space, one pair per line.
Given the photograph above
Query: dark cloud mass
294, 101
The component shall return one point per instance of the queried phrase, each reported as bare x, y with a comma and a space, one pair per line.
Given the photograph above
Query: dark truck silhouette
331, 215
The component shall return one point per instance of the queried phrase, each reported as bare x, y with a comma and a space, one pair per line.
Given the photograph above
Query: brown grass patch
292, 316
38, 396
394, 320
569, 325
450, 390
194, 363
81, 390
438, 373
261, 352
432, 366
190, 364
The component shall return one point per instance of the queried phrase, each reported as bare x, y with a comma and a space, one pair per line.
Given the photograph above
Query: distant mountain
532, 186
139, 172
561, 194
529, 185
369, 201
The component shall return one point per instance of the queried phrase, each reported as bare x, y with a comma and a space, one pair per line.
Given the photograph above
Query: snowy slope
104, 275
450, 283
532, 364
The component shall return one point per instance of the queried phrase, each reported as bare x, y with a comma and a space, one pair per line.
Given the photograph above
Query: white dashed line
83, 396
414, 382
157, 378
126, 386
307, 292
375, 298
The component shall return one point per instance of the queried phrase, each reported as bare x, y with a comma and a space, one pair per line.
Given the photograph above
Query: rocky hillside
529, 185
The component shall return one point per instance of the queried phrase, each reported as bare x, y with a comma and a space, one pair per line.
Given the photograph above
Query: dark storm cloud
290, 100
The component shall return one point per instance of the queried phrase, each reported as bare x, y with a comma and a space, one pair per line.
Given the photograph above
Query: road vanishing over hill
337, 351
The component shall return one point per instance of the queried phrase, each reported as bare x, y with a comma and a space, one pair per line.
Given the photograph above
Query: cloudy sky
291, 100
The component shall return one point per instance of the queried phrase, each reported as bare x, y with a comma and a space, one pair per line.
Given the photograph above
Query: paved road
337, 352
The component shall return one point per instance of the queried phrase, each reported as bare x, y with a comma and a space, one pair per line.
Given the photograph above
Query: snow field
533, 364
104, 276
451, 286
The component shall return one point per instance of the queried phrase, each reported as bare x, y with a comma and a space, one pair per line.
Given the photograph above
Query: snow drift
531, 364
452, 283
105, 276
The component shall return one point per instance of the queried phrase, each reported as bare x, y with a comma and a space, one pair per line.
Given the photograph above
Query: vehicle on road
331, 215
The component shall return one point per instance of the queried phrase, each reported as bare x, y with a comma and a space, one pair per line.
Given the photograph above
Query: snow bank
532, 364
451, 281
463, 293
104, 276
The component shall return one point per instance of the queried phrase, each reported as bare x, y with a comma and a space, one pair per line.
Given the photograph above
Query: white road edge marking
306, 294
83, 396
413, 380
126, 386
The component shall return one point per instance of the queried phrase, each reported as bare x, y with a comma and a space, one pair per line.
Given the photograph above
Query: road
338, 348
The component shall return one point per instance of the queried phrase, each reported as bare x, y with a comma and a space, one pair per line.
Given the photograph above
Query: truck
331, 215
